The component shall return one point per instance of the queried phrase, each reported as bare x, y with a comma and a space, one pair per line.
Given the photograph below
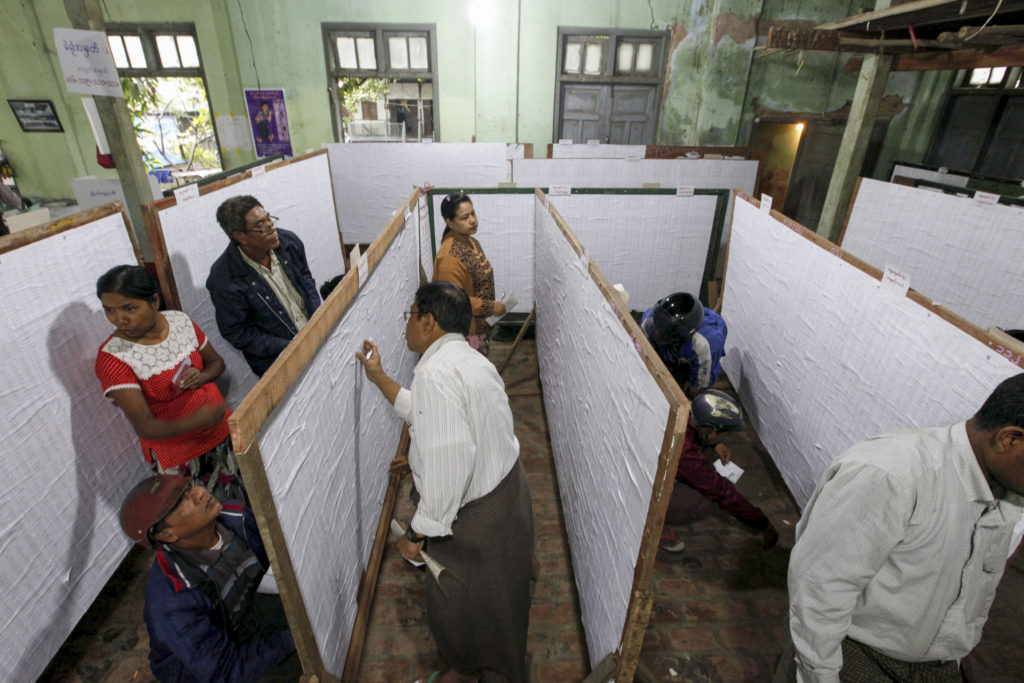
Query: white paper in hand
730, 471
510, 302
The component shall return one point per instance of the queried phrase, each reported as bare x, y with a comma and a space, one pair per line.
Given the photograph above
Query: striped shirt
901, 548
282, 287
463, 444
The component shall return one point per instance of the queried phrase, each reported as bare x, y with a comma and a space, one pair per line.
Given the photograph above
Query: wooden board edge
161, 259
965, 326
638, 612
254, 474
38, 233
368, 584
248, 418
294, 160
849, 211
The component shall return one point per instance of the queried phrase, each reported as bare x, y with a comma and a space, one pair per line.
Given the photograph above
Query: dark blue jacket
188, 639
249, 315
700, 358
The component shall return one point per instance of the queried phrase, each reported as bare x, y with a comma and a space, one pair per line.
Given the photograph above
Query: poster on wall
269, 122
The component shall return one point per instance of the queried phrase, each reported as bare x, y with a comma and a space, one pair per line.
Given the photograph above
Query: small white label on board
560, 190
187, 193
258, 171
766, 202
565, 141
594, 142
986, 198
632, 158
408, 213
895, 282
427, 141
684, 191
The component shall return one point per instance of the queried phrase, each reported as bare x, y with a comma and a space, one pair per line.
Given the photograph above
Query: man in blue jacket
689, 338
261, 287
204, 620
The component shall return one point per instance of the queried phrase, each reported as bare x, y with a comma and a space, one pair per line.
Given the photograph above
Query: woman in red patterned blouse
461, 261
158, 368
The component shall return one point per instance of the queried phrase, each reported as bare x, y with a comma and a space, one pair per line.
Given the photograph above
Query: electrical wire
651, 7
252, 54
975, 34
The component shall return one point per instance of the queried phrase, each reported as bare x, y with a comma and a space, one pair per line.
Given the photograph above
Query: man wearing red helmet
201, 610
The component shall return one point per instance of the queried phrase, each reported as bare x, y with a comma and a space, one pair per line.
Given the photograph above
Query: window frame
380, 32
612, 38
147, 33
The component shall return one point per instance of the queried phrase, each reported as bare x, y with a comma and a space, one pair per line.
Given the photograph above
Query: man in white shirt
902, 545
474, 511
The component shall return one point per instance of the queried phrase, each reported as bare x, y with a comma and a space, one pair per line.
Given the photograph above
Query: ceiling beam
922, 13
954, 59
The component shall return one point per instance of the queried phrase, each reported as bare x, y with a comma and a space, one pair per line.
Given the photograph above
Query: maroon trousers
696, 471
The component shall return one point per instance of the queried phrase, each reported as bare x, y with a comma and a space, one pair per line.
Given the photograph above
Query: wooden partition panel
186, 240
617, 421
961, 252
824, 354
315, 440
652, 241
372, 177
67, 455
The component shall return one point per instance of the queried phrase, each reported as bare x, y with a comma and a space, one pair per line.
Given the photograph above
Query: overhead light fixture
799, 128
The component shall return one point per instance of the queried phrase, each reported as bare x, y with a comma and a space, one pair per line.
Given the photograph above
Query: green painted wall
494, 84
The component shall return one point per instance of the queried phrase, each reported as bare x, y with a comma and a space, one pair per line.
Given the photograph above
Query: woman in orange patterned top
158, 367
460, 260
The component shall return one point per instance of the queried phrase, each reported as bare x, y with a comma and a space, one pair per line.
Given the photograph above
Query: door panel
632, 116
585, 114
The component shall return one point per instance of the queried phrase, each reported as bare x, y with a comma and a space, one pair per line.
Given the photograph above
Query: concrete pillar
874, 73
117, 124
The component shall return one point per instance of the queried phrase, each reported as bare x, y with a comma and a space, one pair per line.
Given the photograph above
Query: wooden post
874, 73
117, 124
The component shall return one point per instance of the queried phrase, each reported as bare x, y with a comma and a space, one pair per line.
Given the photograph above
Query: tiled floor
719, 608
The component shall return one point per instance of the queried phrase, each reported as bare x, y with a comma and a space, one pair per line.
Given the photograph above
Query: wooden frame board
247, 429
717, 228
824, 353
67, 454
955, 249
151, 216
640, 598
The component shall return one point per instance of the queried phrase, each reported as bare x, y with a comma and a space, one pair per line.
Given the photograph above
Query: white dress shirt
901, 548
463, 444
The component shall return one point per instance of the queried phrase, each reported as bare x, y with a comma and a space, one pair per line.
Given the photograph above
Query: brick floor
718, 614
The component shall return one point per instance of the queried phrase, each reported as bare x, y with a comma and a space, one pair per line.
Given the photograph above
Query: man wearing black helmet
204, 621
712, 413
689, 338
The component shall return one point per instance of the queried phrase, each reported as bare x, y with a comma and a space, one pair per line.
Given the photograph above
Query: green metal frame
230, 172
718, 226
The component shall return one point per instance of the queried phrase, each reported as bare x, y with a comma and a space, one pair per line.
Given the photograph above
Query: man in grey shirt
902, 545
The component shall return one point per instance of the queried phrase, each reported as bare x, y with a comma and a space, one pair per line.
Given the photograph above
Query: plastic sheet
963, 255
607, 418
69, 455
823, 358
371, 178
327, 446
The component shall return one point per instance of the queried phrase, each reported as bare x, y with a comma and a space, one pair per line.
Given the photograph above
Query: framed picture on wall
36, 116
